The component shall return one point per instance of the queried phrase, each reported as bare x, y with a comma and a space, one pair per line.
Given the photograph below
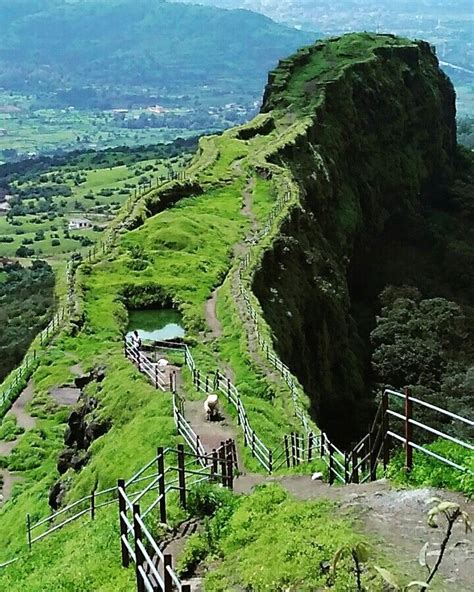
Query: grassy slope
187, 250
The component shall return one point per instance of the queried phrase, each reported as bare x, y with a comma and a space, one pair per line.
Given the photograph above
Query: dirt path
211, 433
27, 422
211, 316
23, 418
240, 248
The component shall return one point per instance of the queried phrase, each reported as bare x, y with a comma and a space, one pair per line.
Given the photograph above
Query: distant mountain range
52, 45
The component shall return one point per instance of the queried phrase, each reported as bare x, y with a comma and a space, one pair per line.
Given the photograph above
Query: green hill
53, 46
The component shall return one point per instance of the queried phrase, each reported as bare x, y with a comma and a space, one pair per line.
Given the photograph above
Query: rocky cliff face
378, 142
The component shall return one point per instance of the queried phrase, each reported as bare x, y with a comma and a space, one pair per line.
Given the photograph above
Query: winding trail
25, 421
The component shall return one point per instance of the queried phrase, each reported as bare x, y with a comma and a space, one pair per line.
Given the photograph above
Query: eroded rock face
377, 145
83, 427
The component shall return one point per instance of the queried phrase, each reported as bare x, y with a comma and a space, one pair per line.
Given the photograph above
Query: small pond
155, 324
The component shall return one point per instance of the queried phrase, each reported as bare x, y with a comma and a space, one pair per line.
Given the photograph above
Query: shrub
205, 499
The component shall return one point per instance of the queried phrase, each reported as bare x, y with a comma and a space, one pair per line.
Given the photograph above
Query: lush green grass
429, 472
273, 542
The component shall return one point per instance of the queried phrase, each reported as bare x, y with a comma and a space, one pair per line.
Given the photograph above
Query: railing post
230, 465
346, 468
238, 410
214, 466
310, 446
287, 452
140, 559
228, 389
321, 444
198, 456
161, 483
408, 431
293, 448
156, 376
93, 504
253, 443
372, 457
181, 476
222, 460
331, 463
28, 530
385, 441
167, 580
123, 526
355, 468
270, 461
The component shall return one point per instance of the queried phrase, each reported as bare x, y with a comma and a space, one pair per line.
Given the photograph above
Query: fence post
310, 446
372, 457
408, 431
230, 465
156, 376
123, 526
355, 468
222, 461
181, 476
161, 483
207, 383
270, 461
347, 476
238, 411
331, 463
197, 448
214, 468
385, 441
287, 452
167, 580
28, 530
293, 448
253, 443
93, 504
228, 388
140, 559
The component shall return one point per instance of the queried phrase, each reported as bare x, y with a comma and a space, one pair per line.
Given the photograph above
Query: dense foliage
26, 304
421, 343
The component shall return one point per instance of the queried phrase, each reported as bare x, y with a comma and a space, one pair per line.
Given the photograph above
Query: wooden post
355, 468
230, 465
238, 410
310, 446
385, 440
408, 431
140, 558
347, 475
287, 453
228, 389
207, 383
293, 447
253, 443
197, 448
372, 457
156, 376
167, 580
123, 526
161, 483
181, 476
270, 461
28, 530
331, 463
93, 504
215, 467
222, 461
